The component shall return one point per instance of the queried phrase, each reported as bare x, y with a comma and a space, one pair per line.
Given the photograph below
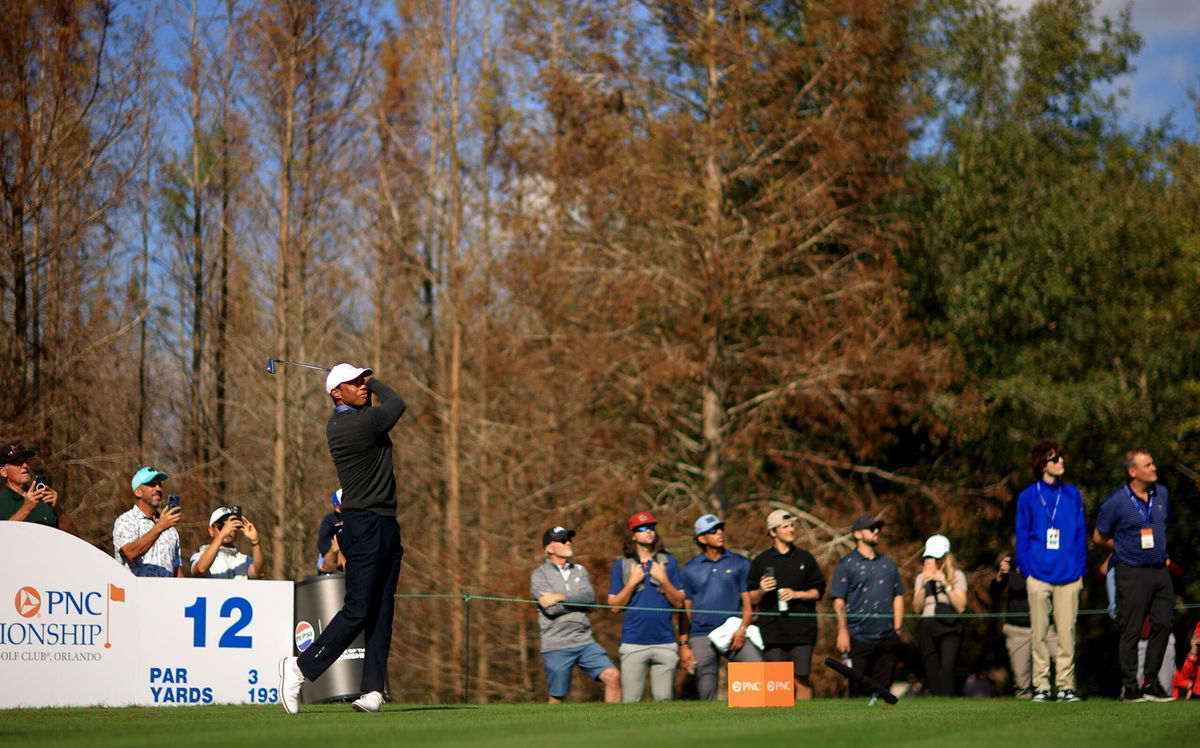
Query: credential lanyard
1138, 504
1049, 512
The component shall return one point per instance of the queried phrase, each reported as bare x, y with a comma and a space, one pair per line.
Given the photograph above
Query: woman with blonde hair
940, 593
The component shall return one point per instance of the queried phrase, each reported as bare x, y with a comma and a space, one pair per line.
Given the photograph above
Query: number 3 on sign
198, 612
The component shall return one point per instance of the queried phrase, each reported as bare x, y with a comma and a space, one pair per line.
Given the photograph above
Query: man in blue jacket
1051, 553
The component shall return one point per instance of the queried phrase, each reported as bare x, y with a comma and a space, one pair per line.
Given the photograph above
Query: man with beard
646, 578
144, 538
221, 559
715, 585
868, 598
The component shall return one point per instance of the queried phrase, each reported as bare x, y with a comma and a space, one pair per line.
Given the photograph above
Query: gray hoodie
563, 625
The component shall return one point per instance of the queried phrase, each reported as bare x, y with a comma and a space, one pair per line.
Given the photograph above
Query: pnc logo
28, 602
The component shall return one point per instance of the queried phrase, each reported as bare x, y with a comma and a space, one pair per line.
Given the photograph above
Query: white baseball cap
218, 514
343, 373
937, 546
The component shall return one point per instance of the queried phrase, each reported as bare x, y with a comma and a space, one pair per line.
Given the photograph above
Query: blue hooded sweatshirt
1042, 506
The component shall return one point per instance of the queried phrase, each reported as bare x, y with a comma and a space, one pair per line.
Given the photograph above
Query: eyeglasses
645, 528
1055, 458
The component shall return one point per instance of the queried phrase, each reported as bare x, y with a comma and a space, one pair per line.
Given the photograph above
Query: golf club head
270, 366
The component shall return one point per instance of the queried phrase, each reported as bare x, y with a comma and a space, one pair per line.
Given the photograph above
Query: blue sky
1168, 64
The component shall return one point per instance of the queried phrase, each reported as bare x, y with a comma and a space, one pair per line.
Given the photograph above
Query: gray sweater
362, 451
563, 625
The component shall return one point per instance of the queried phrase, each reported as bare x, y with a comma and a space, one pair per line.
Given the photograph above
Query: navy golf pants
371, 545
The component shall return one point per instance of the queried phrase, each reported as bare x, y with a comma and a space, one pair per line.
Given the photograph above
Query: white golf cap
937, 546
343, 373
218, 514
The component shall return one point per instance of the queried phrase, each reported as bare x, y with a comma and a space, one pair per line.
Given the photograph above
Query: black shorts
800, 655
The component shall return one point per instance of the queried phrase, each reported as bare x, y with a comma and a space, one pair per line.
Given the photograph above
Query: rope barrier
468, 597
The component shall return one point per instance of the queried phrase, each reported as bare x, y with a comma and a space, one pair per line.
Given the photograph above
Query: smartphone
173, 502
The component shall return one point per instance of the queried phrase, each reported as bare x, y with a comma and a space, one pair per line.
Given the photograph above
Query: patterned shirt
869, 586
160, 560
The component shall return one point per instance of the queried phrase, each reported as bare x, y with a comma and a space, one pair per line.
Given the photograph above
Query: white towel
722, 636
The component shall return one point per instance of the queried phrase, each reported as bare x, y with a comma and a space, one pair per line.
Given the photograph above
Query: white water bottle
783, 606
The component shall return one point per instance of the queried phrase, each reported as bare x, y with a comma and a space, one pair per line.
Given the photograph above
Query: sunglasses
645, 528
1055, 458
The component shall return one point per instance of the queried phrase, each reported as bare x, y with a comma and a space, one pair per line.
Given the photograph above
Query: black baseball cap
557, 534
17, 452
866, 522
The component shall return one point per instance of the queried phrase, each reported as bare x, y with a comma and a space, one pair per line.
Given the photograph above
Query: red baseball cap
637, 519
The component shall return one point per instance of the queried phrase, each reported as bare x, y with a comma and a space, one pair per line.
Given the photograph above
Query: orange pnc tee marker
761, 684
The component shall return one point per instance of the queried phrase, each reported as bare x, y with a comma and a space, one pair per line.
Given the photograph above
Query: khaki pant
1061, 601
638, 660
1020, 656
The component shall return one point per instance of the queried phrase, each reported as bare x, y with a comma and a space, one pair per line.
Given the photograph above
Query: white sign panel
77, 629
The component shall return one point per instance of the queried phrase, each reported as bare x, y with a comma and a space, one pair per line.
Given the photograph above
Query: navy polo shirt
869, 586
646, 626
1122, 517
715, 585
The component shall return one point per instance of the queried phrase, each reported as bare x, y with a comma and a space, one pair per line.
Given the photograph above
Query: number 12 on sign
231, 607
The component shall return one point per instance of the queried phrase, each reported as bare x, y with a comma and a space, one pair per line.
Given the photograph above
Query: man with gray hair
562, 589
1133, 523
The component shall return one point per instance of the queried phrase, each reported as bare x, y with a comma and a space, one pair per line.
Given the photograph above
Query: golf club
272, 361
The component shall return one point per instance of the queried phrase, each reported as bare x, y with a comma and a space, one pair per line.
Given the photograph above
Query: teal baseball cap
146, 475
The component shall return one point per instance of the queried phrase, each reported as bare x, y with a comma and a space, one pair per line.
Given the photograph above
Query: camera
173, 501
41, 482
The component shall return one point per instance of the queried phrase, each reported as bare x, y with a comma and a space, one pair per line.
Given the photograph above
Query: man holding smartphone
23, 499
221, 559
144, 538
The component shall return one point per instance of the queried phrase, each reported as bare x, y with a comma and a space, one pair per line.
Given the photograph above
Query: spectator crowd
722, 606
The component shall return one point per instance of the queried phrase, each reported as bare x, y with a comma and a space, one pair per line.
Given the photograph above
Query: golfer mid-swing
369, 538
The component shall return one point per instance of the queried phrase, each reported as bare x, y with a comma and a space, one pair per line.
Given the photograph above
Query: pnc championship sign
60, 618
80, 630
761, 684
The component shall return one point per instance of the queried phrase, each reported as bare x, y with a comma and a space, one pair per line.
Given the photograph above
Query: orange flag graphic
116, 594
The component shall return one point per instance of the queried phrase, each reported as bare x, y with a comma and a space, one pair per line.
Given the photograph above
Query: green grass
919, 722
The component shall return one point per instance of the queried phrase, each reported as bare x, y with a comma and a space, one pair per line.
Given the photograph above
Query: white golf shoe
369, 702
290, 679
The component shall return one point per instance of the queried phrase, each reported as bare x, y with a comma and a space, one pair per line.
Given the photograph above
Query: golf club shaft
295, 363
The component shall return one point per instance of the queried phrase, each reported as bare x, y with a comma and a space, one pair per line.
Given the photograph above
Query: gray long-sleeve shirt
563, 626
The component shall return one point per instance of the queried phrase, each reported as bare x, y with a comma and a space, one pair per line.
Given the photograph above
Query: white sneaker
290, 679
369, 702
